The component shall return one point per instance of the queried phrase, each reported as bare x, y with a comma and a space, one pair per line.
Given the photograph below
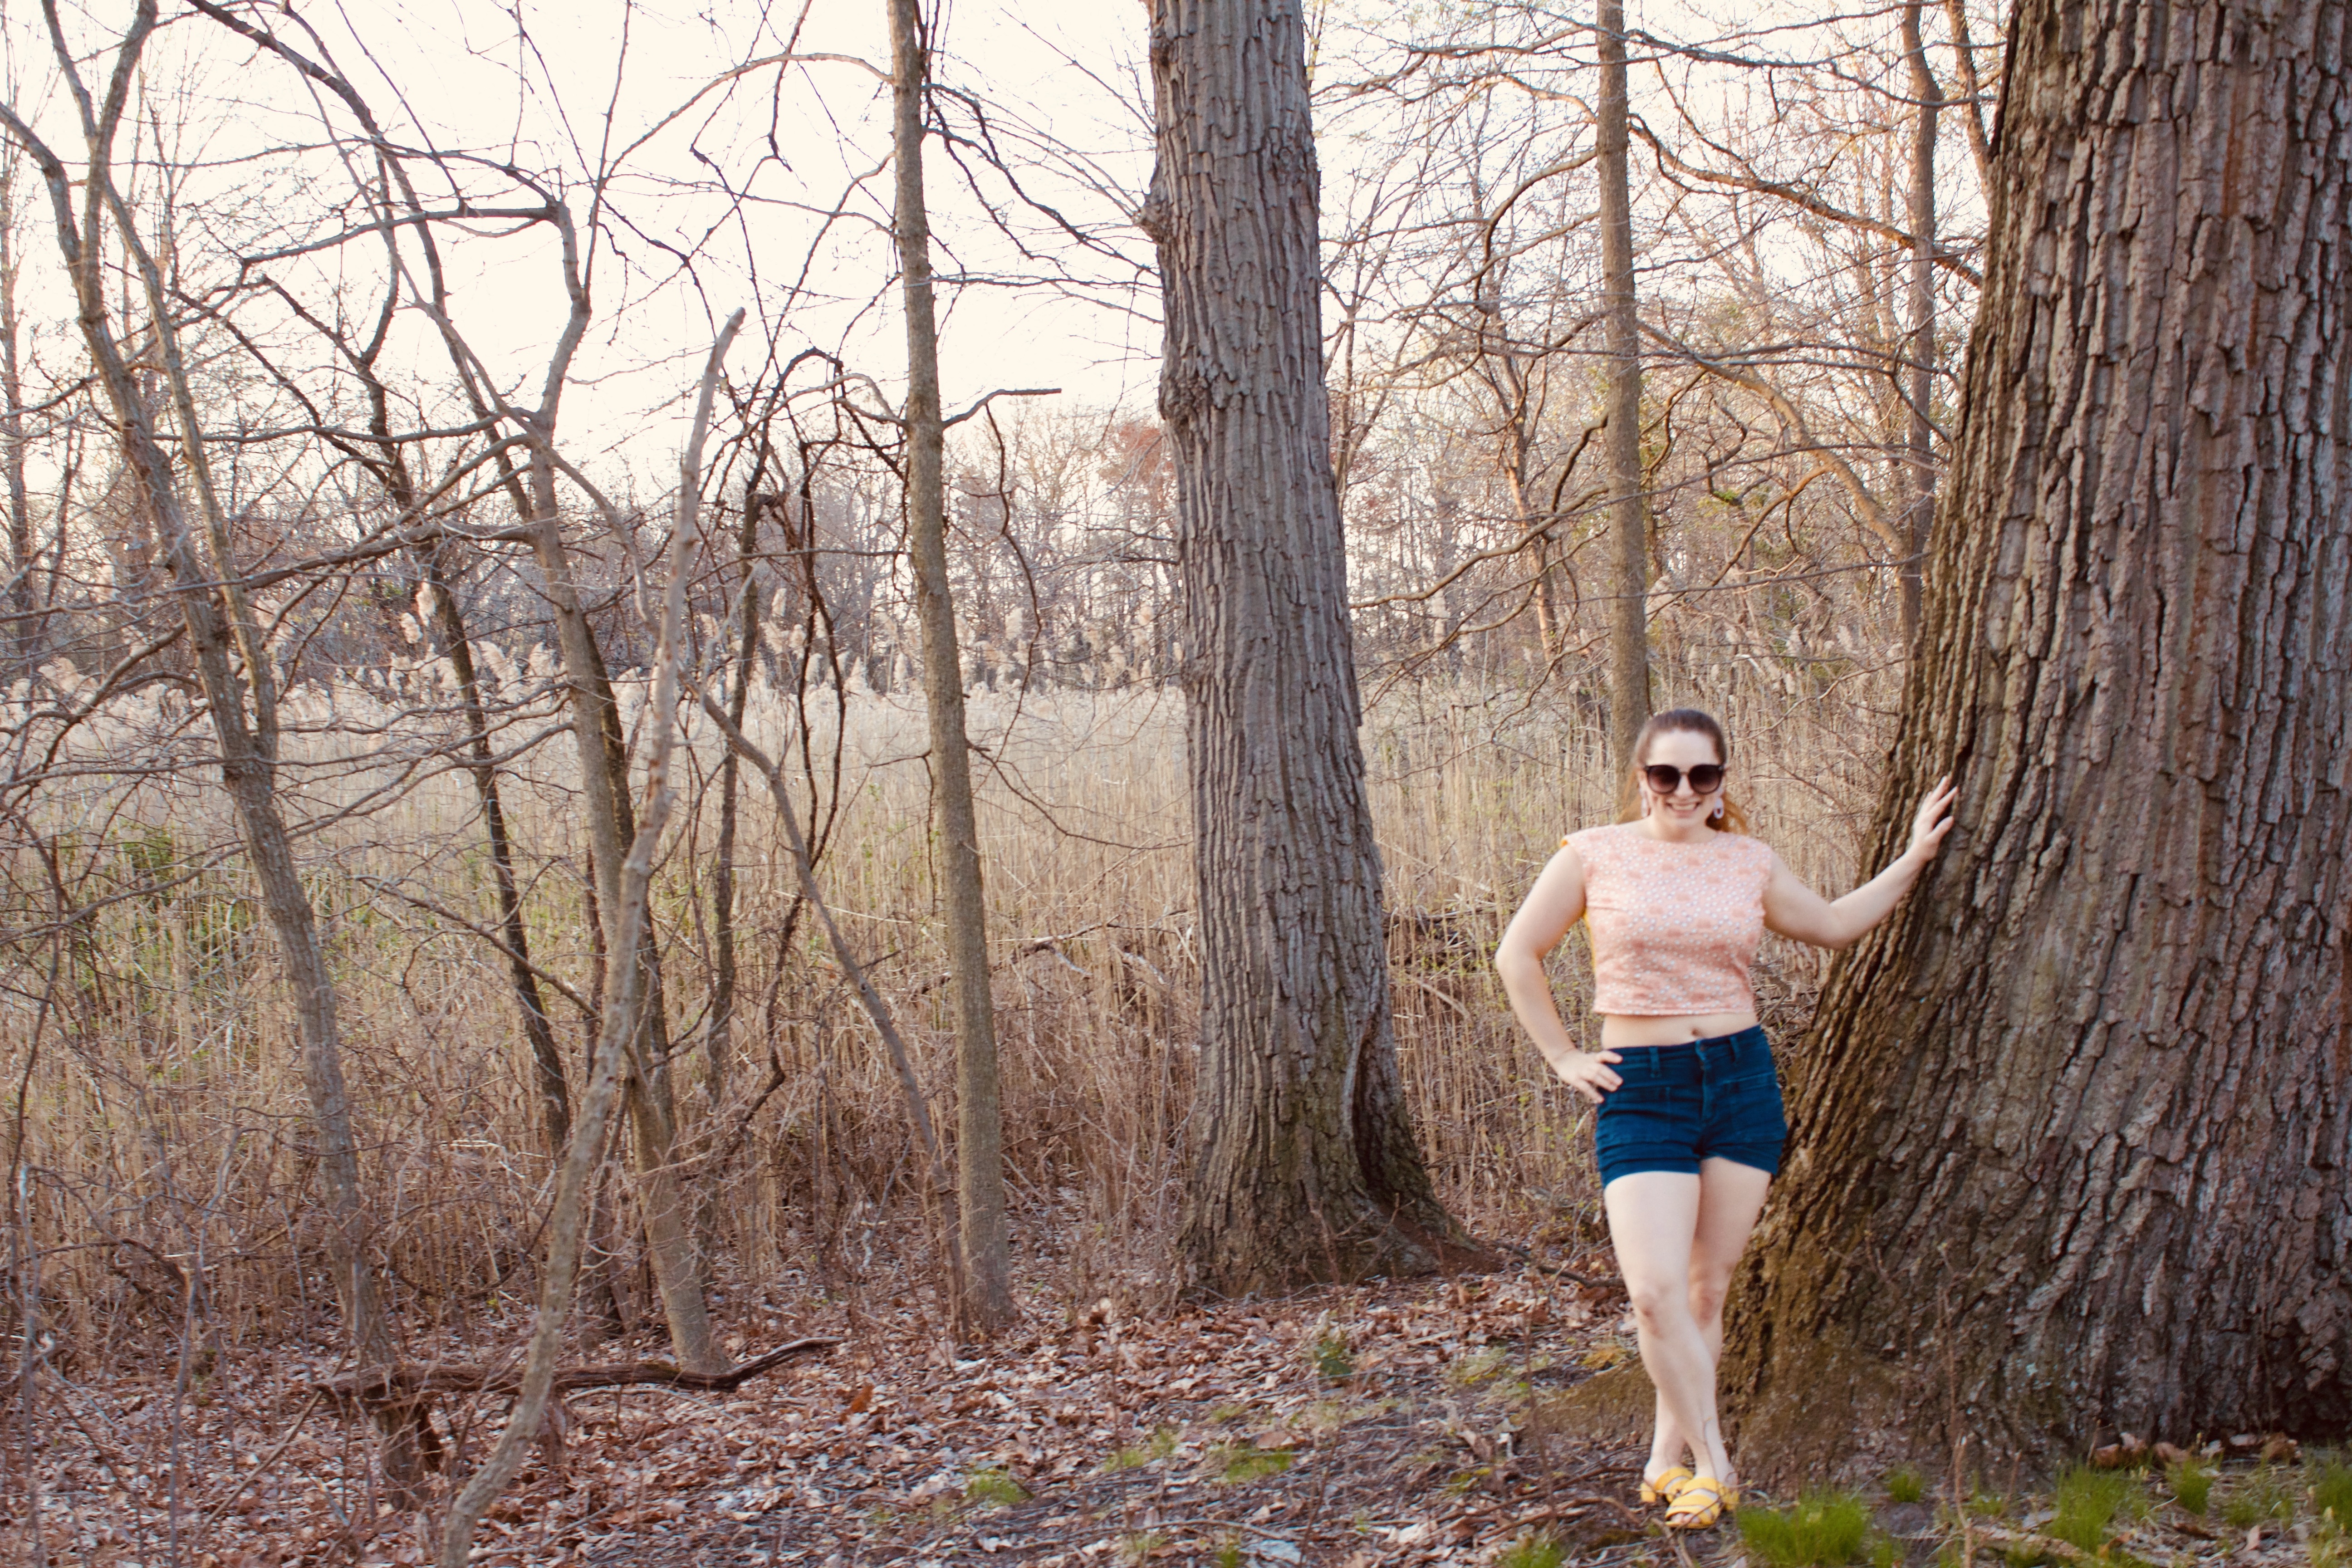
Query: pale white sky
572, 87
560, 89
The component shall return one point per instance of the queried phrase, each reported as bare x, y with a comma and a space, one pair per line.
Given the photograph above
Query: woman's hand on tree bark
1933, 820
1587, 1072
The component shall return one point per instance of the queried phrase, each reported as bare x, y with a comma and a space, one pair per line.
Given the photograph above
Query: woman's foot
1661, 1485
1700, 1502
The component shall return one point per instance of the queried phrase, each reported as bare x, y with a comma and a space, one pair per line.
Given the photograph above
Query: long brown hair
1727, 817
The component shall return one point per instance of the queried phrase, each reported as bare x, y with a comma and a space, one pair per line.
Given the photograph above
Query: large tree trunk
1304, 1163
1629, 533
2072, 1134
987, 1285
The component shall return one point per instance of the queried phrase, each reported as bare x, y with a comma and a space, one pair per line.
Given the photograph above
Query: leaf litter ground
1385, 1424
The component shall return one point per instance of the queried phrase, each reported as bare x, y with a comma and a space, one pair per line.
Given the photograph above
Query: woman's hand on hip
1587, 1072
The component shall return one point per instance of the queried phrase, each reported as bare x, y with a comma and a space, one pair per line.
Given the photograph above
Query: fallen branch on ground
404, 1384
1572, 1508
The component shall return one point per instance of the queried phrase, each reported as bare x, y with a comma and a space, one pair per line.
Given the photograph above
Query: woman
1690, 1125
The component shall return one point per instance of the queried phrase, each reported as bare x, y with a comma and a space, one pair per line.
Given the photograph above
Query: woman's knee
1658, 1303
1707, 1297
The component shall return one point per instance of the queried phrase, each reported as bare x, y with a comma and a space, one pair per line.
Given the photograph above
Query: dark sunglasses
1705, 779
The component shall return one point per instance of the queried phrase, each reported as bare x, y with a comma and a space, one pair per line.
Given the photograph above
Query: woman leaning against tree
1690, 1127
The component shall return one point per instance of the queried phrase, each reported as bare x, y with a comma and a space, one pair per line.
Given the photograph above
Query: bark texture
987, 1285
1304, 1162
2072, 1141
1629, 532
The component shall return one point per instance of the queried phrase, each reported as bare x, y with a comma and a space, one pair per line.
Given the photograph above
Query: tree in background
2071, 1128
1629, 528
233, 669
1305, 1163
986, 1290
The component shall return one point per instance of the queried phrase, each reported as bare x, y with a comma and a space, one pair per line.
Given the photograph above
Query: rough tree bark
2072, 1129
1629, 533
1305, 1166
987, 1287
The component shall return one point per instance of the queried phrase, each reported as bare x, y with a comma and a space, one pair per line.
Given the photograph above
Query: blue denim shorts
1717, 1098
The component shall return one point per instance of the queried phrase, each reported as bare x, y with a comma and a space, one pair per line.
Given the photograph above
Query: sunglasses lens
1705, 779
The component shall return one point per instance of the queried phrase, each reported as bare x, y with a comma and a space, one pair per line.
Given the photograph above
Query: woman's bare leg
1730, 1198
1653, 1222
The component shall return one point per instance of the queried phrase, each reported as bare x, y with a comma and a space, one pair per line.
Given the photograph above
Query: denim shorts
1717, 1098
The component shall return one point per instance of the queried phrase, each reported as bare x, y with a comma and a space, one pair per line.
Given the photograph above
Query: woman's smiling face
1684, 750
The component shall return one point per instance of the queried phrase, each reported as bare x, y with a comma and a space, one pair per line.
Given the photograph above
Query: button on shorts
1711, 1099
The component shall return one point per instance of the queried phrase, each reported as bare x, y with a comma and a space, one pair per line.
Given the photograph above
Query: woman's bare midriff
1619, 1030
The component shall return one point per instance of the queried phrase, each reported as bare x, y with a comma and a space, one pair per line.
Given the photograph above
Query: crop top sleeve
1674, 926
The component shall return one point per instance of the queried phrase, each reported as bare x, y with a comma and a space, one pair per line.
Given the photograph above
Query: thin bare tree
624, 992
233, 662
1629, 527
980, 1132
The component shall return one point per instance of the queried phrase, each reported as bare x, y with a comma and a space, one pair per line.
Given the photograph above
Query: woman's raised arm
1793, 909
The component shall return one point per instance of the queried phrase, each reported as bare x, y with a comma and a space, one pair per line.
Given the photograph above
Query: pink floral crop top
1674, 926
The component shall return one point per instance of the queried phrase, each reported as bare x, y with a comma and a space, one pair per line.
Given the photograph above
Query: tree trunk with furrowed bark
2073, 1150
1305, 1166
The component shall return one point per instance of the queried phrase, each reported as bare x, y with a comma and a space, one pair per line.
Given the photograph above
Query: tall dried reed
164, 1133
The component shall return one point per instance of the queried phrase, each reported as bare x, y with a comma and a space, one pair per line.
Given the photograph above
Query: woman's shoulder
1586, 841
1750, 850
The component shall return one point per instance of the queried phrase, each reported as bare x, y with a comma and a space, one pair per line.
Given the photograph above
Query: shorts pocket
1749, 1111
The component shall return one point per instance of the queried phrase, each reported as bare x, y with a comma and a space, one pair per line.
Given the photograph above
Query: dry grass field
167, 1139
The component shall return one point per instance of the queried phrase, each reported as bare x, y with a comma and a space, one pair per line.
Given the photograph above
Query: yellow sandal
1700, 1503
1663, 1487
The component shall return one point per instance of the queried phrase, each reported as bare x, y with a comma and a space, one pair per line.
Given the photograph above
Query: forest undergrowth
1425, 1422
168, 1237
